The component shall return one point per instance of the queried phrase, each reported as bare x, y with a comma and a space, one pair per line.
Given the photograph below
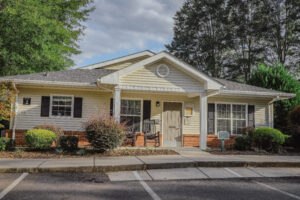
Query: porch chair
130, 135
150, 133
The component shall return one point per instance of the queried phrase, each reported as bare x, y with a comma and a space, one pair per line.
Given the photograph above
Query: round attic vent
162, 70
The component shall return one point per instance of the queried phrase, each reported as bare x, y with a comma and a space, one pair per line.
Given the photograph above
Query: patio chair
130, 135
150, 133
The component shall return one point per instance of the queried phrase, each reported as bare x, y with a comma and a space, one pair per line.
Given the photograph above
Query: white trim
203, 120
15, 117
252, 93
114, 78
61, 117
162, 66
231, 118
51, 83
157, 89
118, 60
162, 121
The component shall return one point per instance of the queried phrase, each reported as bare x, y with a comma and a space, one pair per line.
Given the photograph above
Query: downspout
15, 112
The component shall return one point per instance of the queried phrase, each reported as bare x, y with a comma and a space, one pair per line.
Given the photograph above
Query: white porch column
117, 104
203, 120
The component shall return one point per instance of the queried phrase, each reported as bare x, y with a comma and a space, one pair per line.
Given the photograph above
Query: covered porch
180, 118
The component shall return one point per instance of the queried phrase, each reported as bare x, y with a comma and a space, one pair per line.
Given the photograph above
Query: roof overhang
120, 59
280, 96
210, 83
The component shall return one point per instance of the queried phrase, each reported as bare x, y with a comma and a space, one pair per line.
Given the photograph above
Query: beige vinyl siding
121, 65
28, 116
193, 127
261, 107
147, 77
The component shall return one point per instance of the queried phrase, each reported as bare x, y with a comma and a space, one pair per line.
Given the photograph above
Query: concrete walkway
186, 159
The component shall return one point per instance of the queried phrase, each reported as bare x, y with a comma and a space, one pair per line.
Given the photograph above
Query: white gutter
238, 92
15, 112
213, 94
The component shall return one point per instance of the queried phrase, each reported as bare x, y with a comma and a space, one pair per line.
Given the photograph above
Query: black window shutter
146, 110
251, 115
45, 106
111, 107
211, 118
77, 107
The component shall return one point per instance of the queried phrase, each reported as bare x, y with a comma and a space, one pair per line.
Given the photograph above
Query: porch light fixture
157, 104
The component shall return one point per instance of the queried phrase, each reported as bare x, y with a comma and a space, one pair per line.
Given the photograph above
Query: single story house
188, 106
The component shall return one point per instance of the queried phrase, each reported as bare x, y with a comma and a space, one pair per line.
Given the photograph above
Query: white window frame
141, 114
51, 104
231, 118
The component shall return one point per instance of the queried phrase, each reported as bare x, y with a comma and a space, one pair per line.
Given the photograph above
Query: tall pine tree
201, 37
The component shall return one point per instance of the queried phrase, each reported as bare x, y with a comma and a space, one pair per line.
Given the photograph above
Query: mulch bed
52, 154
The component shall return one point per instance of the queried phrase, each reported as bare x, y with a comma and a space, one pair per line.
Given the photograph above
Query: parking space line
278, 190
146, 186
11, 186
233, 172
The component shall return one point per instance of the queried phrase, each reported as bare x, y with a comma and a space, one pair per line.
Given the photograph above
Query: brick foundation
213, 141
189, 140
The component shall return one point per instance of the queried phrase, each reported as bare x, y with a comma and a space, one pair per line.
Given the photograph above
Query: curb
150, 166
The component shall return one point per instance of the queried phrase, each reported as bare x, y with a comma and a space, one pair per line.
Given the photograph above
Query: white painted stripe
278, 190
146, 186
233, 172
11, 186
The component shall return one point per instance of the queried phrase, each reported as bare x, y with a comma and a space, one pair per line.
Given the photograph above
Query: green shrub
55, 129
294, 118
269, 139
104, 133
39, 138
249, 130
68, 142
5, 143
242, 143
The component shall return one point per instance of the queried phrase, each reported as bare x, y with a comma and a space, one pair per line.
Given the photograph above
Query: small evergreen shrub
5, 143
104, 133
249, 130
68, 143
269, 139
294, 119
242, 143
39, 138
55, 129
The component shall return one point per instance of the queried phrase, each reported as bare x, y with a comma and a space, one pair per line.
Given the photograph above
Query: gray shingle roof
74, 75
235, 86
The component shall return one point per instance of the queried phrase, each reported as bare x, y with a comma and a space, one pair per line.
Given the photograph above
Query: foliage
242, 143
277, 78
55, 129
282, 33
104, 133
248, 131
39, 35
39, 138
68, 143
201, 35
294, 116
5, 143
269, 139
7, 97
227, 38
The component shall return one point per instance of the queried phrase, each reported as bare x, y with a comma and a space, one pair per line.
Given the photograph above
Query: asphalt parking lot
135, 185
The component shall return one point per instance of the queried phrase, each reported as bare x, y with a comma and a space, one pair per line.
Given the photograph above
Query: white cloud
120, 25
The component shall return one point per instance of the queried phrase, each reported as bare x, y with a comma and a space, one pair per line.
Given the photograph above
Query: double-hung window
231, 117
131, 113
61, 106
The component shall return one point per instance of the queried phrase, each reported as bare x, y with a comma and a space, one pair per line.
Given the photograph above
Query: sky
120, 27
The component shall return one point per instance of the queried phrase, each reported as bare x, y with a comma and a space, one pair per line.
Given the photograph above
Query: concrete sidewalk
186, 159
